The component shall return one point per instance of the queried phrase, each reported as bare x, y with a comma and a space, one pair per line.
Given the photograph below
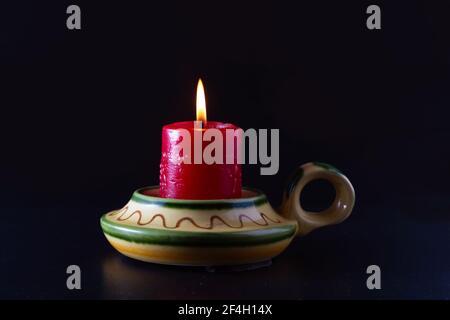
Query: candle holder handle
340, 209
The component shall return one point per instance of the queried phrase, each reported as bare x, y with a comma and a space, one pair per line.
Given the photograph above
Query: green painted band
203, 239
257, 200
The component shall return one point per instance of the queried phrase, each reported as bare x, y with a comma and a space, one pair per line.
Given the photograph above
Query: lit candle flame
201, 102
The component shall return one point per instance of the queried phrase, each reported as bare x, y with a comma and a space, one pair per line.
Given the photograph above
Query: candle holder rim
211, 123
256, 195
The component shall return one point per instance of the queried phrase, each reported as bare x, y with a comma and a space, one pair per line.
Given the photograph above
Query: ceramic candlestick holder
222, 232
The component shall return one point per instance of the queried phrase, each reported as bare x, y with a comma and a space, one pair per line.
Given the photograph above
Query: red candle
181, 174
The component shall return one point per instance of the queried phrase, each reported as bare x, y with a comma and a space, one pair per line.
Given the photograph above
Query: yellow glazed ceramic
222, 232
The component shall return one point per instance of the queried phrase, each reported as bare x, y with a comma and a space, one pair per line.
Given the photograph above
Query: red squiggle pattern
121, 216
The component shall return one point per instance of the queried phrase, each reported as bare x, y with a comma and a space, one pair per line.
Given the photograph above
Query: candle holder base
224, 232
239, 231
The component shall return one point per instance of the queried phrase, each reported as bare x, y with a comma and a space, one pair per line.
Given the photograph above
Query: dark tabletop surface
329, 263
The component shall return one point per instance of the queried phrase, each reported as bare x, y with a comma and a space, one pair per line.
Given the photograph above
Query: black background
82, 111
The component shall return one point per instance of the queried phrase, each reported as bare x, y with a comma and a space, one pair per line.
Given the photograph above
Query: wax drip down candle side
192, 178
